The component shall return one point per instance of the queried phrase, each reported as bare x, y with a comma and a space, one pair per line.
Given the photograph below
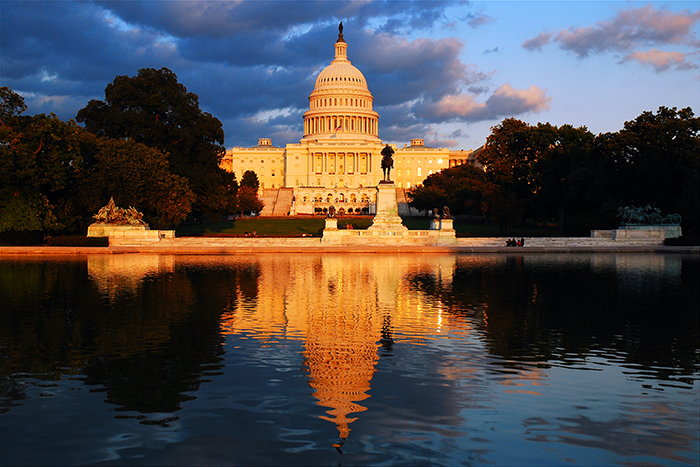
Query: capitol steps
283, 202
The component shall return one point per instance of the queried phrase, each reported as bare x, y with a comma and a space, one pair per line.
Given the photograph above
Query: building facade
338, 160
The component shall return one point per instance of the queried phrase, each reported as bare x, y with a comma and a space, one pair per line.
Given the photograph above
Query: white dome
341, 74
340, 106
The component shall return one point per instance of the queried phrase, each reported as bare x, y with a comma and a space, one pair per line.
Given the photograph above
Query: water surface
382, 359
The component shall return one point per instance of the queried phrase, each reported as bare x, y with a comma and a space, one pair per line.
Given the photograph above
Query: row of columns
343, 123
327, 164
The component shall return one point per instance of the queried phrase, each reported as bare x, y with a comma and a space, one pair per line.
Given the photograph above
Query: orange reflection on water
124, 274
341, 307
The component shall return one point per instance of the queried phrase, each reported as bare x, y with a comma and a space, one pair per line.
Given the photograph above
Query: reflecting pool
329, 359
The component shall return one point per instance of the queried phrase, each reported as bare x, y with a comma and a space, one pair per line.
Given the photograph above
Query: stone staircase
284, 202
278, 201
403, 207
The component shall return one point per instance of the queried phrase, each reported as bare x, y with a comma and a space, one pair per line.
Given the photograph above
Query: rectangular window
363, 164
319, 164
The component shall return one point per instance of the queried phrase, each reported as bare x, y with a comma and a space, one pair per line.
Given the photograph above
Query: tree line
570, 177
147, 144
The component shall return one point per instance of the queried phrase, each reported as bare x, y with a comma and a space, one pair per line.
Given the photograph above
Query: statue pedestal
387, 217
331, 223
447, 224
104, 230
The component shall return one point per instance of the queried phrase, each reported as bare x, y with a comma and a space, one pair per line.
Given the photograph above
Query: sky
446, 72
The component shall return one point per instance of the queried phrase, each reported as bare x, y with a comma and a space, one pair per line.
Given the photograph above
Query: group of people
514, 242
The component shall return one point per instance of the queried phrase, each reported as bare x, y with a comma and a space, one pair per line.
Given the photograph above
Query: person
522, 241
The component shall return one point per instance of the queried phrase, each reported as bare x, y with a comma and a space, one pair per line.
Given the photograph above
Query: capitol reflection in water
343, 308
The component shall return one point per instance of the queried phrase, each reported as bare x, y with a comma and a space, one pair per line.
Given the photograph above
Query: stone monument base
387, 217
387, 230
104, 230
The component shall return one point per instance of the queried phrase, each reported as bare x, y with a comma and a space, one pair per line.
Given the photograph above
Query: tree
54, 175
248, 200
460, 188
152, 108
506, 158
40, 158
250, 180
558, 151
247, 195
662, 154
11, 104
136, 175
426, 198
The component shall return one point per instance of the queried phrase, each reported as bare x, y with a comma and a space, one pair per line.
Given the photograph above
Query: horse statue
387, 162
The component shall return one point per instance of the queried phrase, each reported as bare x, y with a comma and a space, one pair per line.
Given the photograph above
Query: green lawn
297, 226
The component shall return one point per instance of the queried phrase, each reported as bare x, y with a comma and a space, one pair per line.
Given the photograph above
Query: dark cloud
253, 64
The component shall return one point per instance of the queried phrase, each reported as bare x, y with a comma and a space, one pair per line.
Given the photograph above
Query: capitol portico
337, 162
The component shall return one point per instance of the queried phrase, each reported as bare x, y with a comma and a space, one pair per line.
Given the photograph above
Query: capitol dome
340, 106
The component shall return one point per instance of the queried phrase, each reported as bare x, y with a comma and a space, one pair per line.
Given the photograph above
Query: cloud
476, 20
536, 43
243, 58
660, 60
626, 31
504, 102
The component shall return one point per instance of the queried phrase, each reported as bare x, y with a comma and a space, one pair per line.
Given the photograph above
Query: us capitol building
338, 161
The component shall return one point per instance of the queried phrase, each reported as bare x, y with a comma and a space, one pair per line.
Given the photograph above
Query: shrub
21, 237
77, 240
685, 240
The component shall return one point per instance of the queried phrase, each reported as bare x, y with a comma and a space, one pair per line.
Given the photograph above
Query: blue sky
443, 71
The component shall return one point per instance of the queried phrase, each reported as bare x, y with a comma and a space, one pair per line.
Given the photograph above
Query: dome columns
332, 124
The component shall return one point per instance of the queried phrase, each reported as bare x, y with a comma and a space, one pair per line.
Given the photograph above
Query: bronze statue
648, 215
111, 214
387, 162
340, 32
